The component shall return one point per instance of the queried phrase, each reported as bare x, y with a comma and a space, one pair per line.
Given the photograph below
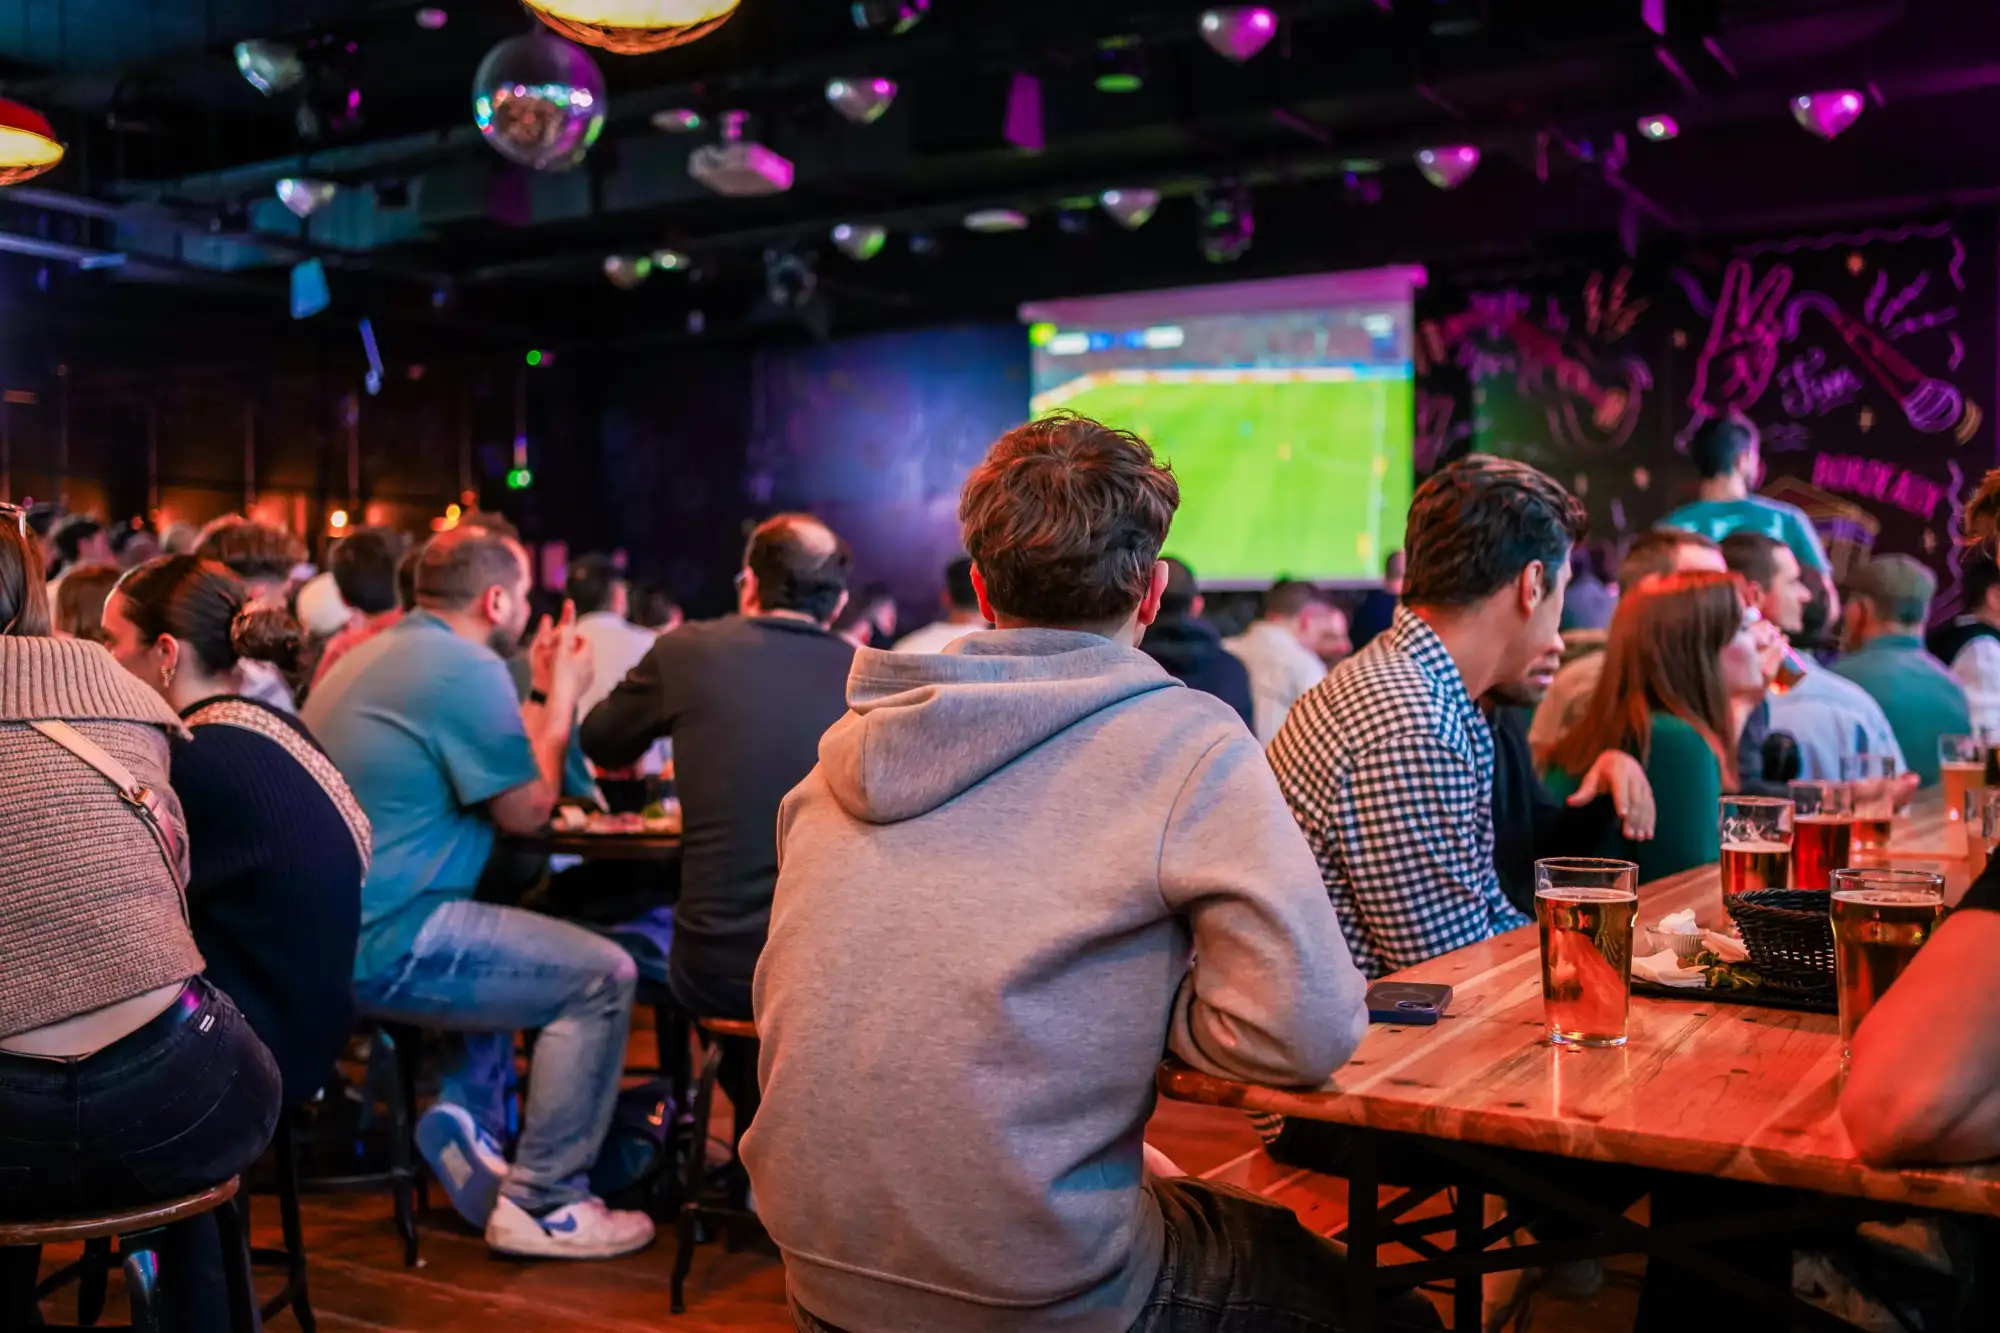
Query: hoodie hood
924, 728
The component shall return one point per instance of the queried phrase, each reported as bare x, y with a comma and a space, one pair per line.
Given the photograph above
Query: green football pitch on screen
1306, 478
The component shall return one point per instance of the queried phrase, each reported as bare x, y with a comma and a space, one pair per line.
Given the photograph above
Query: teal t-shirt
1921, 699
1687, 790
426, 728
1716, 519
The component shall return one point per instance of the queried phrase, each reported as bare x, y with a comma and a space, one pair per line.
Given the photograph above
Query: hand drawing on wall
1741, 354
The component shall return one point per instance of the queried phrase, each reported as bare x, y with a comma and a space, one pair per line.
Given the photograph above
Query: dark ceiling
173, 156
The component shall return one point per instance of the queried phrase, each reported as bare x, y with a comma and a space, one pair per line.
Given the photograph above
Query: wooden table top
1703, 1087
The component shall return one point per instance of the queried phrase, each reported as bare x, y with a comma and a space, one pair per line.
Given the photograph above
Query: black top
1372, 616
1528, 823
274, 892
746, 700
1192, 652
1948, 640
1985, 891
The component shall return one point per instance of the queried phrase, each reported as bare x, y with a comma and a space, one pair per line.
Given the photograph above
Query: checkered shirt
1388, 768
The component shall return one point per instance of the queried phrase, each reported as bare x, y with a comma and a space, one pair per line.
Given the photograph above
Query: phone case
1415, 1003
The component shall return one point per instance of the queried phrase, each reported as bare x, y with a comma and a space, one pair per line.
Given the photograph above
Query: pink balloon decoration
1827, 113
1448, 167
1239, 32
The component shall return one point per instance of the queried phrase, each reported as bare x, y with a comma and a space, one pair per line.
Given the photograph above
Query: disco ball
539, 101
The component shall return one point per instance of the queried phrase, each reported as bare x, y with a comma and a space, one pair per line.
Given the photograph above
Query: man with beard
1528, 823
424, 722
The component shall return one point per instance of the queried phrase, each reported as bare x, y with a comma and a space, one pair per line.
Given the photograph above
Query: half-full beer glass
1962, 766
1823, 832
1880, 919
1756, 844
1585, 908
1873, 780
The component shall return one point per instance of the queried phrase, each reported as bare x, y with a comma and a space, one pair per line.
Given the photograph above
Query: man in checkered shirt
1388, 763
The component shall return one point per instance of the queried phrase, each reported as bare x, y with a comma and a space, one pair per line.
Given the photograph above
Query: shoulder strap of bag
134, 793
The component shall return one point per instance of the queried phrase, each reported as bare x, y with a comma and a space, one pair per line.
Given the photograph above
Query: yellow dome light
633, 27
28, 145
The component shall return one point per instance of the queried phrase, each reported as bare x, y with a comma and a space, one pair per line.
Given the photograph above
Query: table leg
1364, 1189
1468, 1290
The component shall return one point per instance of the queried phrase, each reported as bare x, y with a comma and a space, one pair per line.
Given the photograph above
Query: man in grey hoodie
1022, 871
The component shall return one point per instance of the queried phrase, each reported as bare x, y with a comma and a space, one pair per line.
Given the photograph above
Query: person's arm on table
1272, 995
625, 724
1422, 884
1924, 1081
559, 670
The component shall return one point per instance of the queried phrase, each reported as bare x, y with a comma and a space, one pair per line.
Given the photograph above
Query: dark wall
1867, 358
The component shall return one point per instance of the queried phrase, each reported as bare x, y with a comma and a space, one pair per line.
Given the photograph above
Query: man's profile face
1784, 602
1532, 686
1540, 635
511, 618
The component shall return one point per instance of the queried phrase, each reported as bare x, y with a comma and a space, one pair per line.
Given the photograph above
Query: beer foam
1890, 897
1760, 848
1581, 894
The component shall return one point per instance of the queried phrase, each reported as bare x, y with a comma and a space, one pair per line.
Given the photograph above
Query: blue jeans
483, 973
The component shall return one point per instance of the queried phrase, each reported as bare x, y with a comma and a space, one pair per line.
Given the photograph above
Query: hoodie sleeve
1273, 995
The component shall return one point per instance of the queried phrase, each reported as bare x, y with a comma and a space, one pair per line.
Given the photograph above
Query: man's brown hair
1065, 518
1475, 525
1656, 552
458, 566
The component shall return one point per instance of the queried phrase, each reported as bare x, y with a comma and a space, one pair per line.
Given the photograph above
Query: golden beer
1755, 865
1879, 923
1586, 963
1821, 844
1872, 834
1959, 778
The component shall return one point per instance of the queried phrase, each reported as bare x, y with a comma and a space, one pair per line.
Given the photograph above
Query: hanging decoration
539, 101
1448, 167
1827, 113
633, 27
627, 271
28, 145
305, 195
1130, 208
860, 240
863, 101
1239, 32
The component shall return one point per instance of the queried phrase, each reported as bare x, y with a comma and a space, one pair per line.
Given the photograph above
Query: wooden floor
359, 1282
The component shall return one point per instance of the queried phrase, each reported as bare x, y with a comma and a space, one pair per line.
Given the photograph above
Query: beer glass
1873, 780
1822, 832
1586, 908
1982, 827
1880, 919
1962, 766
1756, 844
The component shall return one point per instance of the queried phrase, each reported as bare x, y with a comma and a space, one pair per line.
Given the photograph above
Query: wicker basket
1789, 934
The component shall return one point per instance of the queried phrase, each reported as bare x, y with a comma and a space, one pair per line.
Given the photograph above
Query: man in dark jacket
1191, 649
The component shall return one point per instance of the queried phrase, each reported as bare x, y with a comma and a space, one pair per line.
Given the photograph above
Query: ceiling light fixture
633, 27
860, 240
1239, 32
992, 221
28, 145
1130, 209
269, 67
1827, 113
863, 101
1448, 167
1658, 128
305, 195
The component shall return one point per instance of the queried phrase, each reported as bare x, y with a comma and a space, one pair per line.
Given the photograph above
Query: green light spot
1041, 335
1119, 83
534, 356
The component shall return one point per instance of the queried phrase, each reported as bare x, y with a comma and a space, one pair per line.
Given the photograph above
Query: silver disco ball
539, 101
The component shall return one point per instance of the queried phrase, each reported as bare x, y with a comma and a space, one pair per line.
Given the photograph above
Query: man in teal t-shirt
1725, 451
1891, 600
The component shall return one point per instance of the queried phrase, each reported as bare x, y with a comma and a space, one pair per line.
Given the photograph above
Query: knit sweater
89, 913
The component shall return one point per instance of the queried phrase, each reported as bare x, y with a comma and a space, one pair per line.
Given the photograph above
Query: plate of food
660, 819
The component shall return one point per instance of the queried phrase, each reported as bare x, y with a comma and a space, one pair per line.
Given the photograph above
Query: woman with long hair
1683, 669
126, 1078
280, 846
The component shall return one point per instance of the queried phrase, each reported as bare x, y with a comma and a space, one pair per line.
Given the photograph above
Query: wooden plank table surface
1703, 1087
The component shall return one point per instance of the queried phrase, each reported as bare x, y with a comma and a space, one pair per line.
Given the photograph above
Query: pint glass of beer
1823, 832
1880, 919
1756, 844
1873, 780
1962, 766
1585, 908
1982, 826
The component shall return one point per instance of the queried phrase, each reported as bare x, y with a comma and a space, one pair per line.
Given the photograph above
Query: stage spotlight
891, 16
1121, 65
1658, 128
1448, 167
789, 280
862, 101
1224, 222
860, 240
269, 67
1828, 113
1239, 32
992, 221
1130, 209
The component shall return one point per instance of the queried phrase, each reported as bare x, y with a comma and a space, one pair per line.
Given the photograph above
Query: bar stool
138, 1232
402, 1046
729, 1033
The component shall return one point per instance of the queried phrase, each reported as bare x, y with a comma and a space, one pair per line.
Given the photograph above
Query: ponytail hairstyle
207, 608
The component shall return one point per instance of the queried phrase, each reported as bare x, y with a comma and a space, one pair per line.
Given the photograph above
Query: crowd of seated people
939, 810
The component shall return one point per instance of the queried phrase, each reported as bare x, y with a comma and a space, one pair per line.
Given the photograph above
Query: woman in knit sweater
124, 1077
279, 846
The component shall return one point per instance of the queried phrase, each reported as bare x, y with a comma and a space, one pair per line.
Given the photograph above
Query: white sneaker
464, 1158
585, 1229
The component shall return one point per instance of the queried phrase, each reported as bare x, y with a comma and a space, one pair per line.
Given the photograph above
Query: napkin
1664, 969
1725, 947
